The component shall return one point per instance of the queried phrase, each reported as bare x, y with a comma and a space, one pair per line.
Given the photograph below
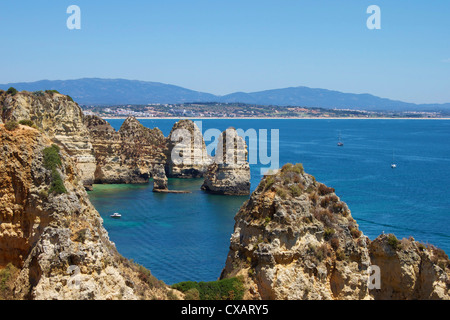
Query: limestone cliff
229, 174
410, 270
127, 155
295, 239
187, 156
50, 232
60, 118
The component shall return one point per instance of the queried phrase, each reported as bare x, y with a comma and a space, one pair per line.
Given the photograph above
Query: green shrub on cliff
192, 294
28, 123
270, 180
57, 185
52, 161
289, 167
51, 91
225, 289
393, 242
12, 91
296, 190
288, 180
11, 125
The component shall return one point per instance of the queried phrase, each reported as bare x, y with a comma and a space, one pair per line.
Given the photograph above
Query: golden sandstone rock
295, 239
56, 241
60, 118
229, 174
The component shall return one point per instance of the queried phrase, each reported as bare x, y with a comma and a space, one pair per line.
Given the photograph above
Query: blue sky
223, 46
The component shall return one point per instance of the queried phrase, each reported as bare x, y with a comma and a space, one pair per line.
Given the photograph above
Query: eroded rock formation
295, 239
410, 270
186, 153
60, 118
53, 236
128, 155
159, 178
229, 174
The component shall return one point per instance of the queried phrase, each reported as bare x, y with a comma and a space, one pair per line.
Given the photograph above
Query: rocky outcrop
128, 155
187, 156
159, 178
229, 174
295, 239
410, 270
60, 118
53, 235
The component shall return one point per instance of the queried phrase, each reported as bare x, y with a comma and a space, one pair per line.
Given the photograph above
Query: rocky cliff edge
295, 239
52, 242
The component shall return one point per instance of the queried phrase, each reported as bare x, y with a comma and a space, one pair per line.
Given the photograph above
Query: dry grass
8, 276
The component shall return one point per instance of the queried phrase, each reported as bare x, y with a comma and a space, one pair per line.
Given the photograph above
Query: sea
186, 237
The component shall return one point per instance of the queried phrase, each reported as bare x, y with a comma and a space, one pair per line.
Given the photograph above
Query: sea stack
159, 178
294, 239
187, 156
229, 174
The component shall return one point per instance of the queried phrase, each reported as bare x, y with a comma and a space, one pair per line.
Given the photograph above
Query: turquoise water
183, 237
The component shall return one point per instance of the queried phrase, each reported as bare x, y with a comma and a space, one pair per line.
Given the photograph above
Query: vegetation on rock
12, 91
7, 277
51, 91
28, 123
226, 289
11, 125
52, 161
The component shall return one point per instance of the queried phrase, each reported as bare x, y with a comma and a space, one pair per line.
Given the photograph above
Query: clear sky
223, 46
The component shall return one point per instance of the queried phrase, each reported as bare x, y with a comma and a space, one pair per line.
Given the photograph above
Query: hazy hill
323, 98
120, 91
115, 91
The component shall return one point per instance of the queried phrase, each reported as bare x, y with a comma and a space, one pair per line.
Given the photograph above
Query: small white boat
116, 215
393, 164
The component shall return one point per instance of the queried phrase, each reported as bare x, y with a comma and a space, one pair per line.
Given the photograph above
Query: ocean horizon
182, 237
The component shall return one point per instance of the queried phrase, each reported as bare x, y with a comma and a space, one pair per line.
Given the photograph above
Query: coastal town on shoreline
241, 110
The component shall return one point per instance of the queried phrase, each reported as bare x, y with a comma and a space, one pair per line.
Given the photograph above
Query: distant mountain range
95, 91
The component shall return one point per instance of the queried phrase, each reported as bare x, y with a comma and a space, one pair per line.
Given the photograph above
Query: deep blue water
182, 237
